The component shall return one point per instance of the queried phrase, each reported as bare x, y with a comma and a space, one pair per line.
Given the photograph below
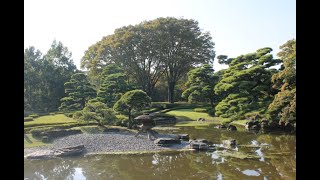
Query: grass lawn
187, 117
30, 141
240, 122
50, 120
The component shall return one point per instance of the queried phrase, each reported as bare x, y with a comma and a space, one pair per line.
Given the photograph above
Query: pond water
277, 161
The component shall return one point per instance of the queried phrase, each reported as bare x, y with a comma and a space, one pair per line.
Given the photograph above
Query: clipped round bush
45, 139
202, 110
211, 112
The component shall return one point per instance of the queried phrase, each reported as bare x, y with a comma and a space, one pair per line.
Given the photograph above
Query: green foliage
283, 107
79, 92
200, 110
98, 112
246, 85
135, 100
151, 50
114, 85
44, 77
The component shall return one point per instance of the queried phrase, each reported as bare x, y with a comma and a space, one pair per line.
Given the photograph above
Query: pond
277, 160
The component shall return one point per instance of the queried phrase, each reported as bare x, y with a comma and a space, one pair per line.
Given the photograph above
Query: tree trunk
171, 86
129, 122
211, 102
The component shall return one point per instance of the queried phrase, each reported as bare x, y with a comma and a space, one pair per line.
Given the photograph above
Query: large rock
183, 136
166, 141
232, 128
62, 152
199, 144
220, 126
229, 143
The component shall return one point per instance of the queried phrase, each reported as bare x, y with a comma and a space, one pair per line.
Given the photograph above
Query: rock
166, 141
69, 151
199, 145
255, 127
62, 152
41, 154
45, 139
232, 128
229, 143
220, 126
183, 136
201, 119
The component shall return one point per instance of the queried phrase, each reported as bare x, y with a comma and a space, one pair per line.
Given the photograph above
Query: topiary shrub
121, 120
45, 139
52, 113
202, 110
211, 112
37, 132
27, 119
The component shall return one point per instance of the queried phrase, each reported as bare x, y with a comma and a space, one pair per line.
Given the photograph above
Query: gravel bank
108, 142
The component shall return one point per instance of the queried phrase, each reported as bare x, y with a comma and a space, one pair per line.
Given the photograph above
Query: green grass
50, 120
189, 114
187, 117
240, 122
30, 141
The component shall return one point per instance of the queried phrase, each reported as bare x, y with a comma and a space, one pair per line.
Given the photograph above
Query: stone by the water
62, 152
183, 136
166, 141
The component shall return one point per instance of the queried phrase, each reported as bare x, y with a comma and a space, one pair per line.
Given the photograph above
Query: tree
45, 77
246, 84
97, 111
201, 82
283, 107
79, 91
135, 100
151, 49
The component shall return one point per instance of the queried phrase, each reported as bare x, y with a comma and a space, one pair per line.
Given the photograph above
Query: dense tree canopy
201, 82
283, 107
78, 91
162, 47
247, 83
135, 100
44, 77
114, 85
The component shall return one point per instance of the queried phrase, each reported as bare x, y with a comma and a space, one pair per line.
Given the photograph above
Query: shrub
27, 119
211, 111
70, 115
164, 115
77, 115
252, 115
200, 110
37, 132
52, 114
45, 139
151, 110
34, 115
121, 120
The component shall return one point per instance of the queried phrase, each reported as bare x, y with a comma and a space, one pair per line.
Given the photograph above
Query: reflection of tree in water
282, 152
49, 169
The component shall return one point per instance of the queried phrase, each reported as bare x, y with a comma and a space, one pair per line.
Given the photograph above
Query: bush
77, 115
37, 132
70, 115
45, 139
211, 112
148, 111
27, 119
164, 115
202, 110
121, 120
34, 115
252, 116
52, 114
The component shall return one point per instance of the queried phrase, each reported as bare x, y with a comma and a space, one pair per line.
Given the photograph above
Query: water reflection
277, 161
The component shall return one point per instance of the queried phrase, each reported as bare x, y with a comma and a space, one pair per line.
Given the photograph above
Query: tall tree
201, 82
246, 84
283, 107
151, 49
79, 91
114, 85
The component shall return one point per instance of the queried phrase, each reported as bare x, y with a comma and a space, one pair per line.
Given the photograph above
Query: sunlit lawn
50, 119
30, 141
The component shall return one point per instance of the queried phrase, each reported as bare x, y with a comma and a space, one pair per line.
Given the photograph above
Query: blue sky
236, 26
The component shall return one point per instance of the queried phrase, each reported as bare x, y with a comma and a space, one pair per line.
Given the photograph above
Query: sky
236, 26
